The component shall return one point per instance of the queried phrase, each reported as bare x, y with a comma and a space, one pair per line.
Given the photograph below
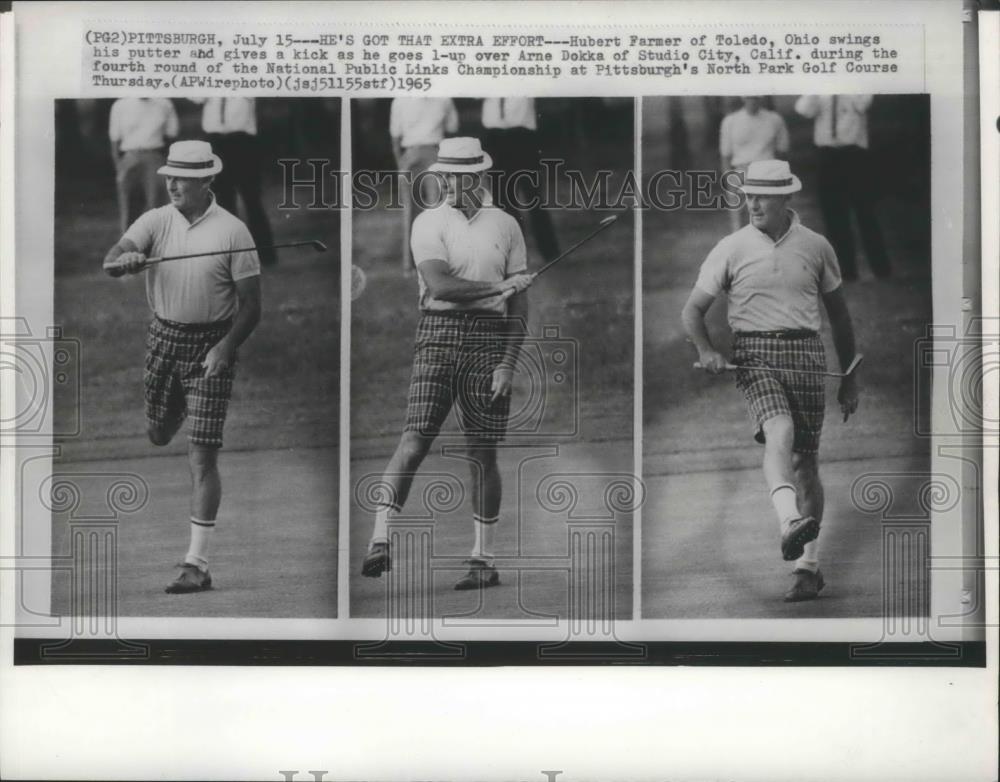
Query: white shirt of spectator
509, 113
747, 137
422, 121
142, 123
229, 115
489, 247
194, 290
851, 123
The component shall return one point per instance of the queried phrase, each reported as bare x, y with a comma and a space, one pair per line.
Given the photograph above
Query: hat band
767, 182
460, 161
185, 164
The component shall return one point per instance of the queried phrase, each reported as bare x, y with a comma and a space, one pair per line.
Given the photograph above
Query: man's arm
693, 317
124, 258
223, 354
503, 375
445, 286
843, 342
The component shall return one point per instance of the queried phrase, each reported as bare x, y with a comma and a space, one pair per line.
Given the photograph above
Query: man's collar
212, 206
792, 223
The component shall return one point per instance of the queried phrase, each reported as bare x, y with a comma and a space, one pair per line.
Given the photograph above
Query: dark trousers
846, 184
514, 150
240, 174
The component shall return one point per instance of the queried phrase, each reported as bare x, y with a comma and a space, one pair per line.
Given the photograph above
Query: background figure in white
231, 125
749, 134
139, 130
417, 126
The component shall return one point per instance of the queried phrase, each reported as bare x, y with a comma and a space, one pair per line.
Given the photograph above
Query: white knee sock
485, 532
201, 537
785, 504
810, 557
380, 534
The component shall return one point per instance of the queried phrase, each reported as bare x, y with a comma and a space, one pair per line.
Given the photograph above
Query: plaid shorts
454, 356
175, 382
802, 397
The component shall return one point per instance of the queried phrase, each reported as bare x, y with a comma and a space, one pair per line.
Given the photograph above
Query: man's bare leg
397, 479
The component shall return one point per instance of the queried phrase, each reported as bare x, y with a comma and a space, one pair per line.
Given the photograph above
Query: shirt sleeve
726, 137
395, 120
142, 233
426, 241
517, 254
781, 143
451, 118
862, 102
114, 122
713, 278
829, 272
172, 127
242, 265
807, 106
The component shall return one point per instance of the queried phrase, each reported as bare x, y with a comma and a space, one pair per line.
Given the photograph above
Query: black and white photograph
781, 315
492, 360
204, 299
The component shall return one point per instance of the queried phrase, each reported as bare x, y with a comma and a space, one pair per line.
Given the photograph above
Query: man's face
187, 192
767, 212
461, 189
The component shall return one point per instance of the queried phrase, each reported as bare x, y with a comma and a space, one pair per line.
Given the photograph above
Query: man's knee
413, 447
203, 459
483, 453
778, 429
160, 435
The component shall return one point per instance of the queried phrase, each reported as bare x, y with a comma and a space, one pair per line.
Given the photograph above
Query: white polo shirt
749, 137
771, 285
142, 123
195, 290
487, 248
422, 121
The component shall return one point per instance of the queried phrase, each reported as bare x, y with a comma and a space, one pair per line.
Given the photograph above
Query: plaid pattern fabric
174, 380
802, 397
453, 361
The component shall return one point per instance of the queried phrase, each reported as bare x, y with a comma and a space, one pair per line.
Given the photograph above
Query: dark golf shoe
799, 532
481, 575
190, 579
807, 586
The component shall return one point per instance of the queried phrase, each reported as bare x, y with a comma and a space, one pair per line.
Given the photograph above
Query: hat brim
192, 173
795, 187
457, 168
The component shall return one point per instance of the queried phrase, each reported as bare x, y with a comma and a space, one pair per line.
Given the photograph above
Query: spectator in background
511, 136
417, 126
139, 130
846, 183
231, 125
749, 134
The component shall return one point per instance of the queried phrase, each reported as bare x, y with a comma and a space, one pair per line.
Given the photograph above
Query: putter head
608, 220
318, 246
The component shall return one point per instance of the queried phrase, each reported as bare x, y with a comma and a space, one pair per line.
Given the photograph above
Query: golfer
774, 272
203, 310
472, 263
